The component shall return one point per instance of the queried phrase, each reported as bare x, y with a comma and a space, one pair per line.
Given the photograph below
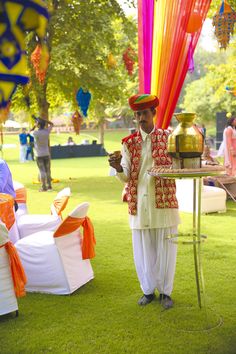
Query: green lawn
103, 316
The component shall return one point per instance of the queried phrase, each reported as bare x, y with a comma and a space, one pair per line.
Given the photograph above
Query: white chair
21, 198
60, 201
53, 261
31, 223
8, 301
213, 198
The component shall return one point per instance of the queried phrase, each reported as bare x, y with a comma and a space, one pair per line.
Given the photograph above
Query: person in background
30, 147
23, 145
70, 141
207, 159
6, 183
42, 153
228, 147
152, 202
203, 131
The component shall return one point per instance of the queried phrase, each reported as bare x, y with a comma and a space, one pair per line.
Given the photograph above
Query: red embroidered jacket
165, 189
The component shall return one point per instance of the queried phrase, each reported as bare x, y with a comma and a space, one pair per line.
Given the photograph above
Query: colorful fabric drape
6, 210
168, 32
71, 224
21, 195
17, 270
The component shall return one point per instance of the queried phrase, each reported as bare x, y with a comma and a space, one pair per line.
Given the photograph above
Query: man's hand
114, 161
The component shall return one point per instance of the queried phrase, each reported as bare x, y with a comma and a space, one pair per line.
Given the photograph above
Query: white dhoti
155, 259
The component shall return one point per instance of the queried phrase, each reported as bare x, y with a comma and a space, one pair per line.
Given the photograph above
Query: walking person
42, 153
152, 203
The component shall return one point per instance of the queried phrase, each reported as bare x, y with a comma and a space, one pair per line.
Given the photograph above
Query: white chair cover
55, 265
31, 223
14, 232
8, 301
60, 200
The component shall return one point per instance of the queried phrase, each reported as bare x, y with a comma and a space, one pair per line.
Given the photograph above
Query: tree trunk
43, 103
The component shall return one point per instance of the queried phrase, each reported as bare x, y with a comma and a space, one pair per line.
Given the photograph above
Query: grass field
103, 316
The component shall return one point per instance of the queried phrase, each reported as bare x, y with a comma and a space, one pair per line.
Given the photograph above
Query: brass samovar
186, 143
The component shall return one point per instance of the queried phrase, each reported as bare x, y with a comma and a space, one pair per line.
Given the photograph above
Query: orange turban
143, 101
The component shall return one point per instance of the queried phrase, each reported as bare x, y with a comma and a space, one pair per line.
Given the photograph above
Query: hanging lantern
111, 62
128, 58
83, 99
223, 21
40, 60
4, 112
17, 17
194, 23
77, 120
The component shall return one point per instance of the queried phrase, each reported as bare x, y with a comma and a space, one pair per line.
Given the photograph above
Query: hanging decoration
231, 90
128, 58
83, 99
17, 17
168, 32
77, 120
224, 21
4, 112
40, 60
111, 61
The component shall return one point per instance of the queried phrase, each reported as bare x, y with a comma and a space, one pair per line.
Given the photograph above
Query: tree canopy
81, 36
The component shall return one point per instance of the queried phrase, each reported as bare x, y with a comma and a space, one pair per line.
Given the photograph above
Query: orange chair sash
71, 224
60, 204
6, 210
17, 270
21, 195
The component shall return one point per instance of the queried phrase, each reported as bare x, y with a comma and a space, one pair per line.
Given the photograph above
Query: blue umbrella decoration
83, 99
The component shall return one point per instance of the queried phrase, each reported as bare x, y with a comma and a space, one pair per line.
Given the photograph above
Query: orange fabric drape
6, 210
17, 270
21, 195
71, 224
60, 204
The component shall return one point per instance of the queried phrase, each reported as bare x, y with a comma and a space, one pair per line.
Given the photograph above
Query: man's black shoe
146, 299
166, 301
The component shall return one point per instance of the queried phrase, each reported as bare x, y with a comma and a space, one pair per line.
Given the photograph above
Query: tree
80, 37
208, 95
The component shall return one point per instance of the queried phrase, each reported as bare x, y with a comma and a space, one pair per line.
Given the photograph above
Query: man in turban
152, 202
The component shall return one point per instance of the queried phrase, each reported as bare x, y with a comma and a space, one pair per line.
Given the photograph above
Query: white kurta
148, 216
154, 255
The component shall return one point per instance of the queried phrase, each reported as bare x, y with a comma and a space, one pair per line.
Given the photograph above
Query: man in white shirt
152, 202
41, 145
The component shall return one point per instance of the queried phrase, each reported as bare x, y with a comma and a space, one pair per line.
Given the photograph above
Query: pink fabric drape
147, 8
